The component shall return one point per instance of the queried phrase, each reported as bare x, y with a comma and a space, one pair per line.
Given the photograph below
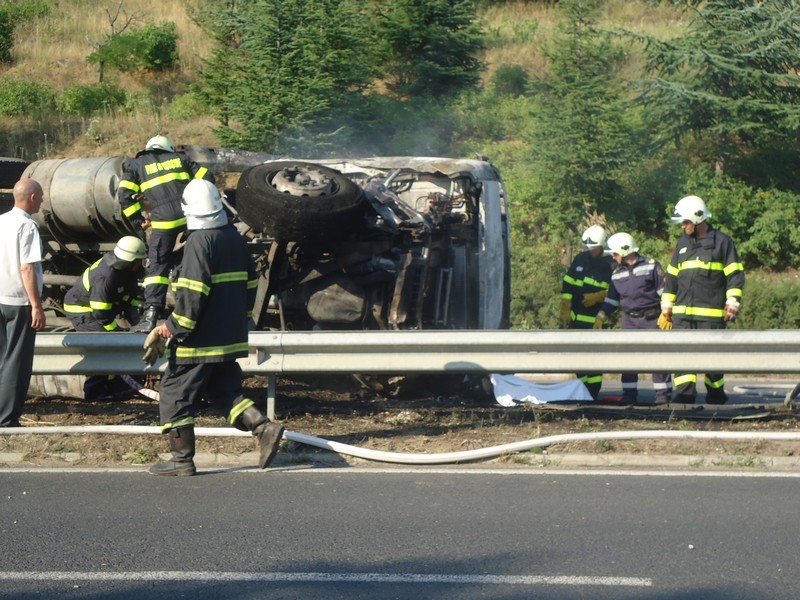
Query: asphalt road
433, 534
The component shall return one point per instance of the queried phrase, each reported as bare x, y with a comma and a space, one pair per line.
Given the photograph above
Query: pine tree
428, 48
286, 74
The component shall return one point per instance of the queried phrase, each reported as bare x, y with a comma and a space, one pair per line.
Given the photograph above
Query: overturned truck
375, 243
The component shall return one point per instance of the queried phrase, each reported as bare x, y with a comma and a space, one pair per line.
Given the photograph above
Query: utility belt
649, 314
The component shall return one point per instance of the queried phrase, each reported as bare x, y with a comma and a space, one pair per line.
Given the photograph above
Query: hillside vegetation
588, 114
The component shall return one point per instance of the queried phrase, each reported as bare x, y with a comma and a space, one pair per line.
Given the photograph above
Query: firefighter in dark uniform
214, 288
108, 288
583, 290
157, 175
636, 287
703, 289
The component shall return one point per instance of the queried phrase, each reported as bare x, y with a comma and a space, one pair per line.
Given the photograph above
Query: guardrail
409, 352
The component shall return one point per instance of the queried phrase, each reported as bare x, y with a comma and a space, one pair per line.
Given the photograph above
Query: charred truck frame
377, 243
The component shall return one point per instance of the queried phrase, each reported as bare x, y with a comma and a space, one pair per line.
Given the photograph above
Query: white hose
428, 459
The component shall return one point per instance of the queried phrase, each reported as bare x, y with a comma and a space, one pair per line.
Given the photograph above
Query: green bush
510, 80
769, 302
85, 100
187, 106
23, 98
6, 35
152, 48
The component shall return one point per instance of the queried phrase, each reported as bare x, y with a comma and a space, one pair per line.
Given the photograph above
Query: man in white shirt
21, 312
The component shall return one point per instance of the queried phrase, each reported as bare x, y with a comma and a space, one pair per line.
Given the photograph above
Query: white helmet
130, 248
202, 204
622, 244
594, 236
160, 142
690, 208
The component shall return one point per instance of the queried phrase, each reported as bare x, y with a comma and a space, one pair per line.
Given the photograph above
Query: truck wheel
11, 170
296, 201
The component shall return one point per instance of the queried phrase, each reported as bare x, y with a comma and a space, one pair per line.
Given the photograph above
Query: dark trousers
592, 381
17, 342
161, 257
94, 386
686, 383
184, 386
662, 382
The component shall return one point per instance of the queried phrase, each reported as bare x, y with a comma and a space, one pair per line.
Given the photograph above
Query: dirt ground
414, 420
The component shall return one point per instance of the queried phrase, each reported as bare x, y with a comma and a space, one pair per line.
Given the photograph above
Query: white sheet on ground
510, 390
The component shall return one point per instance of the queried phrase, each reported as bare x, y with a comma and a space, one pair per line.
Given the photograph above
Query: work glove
154, 347
593, 298
600, 320
665, 321
564, 316
731, 309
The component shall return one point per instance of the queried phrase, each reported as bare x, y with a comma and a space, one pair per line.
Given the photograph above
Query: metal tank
80, 203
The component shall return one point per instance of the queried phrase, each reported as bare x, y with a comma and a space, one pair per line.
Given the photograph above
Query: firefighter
583, 290
215, 288
636, 287
703, 288
108, 288
154, 180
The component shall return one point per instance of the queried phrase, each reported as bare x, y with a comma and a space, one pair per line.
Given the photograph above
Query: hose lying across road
428, 459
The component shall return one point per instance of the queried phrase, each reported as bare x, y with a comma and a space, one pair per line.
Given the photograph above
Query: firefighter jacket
636, 289
214, 293
107, 288
703, 273
586, 274
160, 177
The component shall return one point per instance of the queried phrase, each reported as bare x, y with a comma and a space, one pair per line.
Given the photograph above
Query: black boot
148, 322
269, 434
181, 444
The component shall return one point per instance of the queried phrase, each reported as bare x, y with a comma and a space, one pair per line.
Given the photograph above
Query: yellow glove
593, 298
154, 347
600, 320
665, 321
564, 316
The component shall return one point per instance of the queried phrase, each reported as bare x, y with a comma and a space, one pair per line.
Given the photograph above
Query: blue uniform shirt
635, 288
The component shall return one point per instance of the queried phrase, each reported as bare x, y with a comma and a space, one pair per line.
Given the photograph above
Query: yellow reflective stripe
183, 352
131, 301
111, 326
595, 283
156, 280
684, 379
570, 280
200, 173
165, 178
129, 185
252, 284
566, 296
229, 277
670, 297
191, 284
672, 270
185, 422
184, 322
592, 379
700, 264
583, 318
698, 311
737, 292
97, 305
237, 410
733, 267
168, 224
719, 383
76, 309
132, 209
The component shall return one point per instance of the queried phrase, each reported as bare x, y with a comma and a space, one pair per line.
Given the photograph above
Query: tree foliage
733, 75
151, 48
428, 48
281, 82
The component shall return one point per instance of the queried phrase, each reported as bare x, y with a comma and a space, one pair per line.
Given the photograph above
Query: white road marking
409, 578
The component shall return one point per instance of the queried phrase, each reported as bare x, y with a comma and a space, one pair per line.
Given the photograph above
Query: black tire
328, 207
11, 170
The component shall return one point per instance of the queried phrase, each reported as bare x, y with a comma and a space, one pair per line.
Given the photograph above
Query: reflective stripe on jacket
586, 274
160, 176
702, 275
214, 293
